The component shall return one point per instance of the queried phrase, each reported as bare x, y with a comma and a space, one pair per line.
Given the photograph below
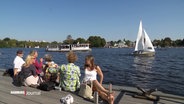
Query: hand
55, 65
41, 59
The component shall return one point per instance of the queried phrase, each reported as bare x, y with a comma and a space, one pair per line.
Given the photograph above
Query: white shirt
90, 75
18, 62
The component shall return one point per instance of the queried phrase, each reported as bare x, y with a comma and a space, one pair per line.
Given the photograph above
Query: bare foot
111, 99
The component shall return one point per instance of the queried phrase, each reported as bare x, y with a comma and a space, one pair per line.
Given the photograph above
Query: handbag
86, 90
47, 86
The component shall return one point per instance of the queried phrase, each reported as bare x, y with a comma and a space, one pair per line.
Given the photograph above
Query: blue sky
110, 19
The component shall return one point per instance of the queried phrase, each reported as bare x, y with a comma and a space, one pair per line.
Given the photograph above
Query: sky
54, 20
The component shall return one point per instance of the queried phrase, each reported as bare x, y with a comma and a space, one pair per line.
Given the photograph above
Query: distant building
107, 45
116, 45
120, 45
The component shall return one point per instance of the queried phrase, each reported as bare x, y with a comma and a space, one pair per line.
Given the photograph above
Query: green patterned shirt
69, 77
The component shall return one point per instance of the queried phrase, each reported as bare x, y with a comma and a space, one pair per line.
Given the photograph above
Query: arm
100, 73
38, 65
78, 71
33, 69
15, 71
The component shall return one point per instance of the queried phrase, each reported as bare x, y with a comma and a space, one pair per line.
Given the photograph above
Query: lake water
165, 71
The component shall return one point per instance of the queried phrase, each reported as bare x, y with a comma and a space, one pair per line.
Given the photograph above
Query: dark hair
48, 57
91, 59
19, 52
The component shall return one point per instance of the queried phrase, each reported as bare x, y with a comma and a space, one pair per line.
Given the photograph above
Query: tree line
94, 41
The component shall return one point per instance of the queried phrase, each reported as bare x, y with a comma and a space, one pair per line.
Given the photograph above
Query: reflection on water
143, 63
143, 71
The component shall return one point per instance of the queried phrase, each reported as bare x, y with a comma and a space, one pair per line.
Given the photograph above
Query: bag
67, 100
86, 90
47, 86
18, 80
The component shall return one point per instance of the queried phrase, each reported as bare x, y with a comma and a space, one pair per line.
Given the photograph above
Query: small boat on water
143, 46
69, 47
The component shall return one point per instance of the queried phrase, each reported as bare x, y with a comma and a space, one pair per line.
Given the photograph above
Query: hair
71, 56
48, 57
28, 61
19, 52
91, 59
32, 53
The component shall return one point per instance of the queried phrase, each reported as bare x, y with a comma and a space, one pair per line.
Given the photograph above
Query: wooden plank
122, 95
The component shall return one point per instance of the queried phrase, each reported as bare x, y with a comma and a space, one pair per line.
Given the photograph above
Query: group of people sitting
67, 75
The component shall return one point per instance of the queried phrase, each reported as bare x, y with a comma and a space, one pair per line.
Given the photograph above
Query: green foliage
80, 40
68, 40
96, 41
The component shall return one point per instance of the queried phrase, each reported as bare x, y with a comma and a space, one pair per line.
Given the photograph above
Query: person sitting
50, 69
38, 65
18, 62
91, 72
70, 73
29, 71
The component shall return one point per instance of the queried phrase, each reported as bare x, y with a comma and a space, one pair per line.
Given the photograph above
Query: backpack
47, 86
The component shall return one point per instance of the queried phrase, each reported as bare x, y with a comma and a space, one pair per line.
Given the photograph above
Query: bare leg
104, 94
99, 87
109, 98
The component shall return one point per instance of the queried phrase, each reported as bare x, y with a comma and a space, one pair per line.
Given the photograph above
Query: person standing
70, 73
18, 62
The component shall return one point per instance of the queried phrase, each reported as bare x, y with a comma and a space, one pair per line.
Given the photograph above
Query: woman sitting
70, 73
50, 69
29, 71
91, 71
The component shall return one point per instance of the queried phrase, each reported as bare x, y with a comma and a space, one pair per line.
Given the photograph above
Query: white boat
69, 47
143, 46
37, 47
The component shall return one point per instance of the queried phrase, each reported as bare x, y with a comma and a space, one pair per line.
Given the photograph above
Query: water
164, 71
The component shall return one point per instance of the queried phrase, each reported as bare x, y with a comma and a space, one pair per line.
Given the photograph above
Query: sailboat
143, 46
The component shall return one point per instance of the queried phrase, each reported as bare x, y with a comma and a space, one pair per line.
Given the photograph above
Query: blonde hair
28, 61
71, 56
32, 53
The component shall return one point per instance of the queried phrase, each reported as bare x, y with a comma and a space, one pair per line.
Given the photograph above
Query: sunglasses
87, 65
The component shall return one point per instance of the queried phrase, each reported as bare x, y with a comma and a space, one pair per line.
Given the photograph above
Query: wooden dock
28, 95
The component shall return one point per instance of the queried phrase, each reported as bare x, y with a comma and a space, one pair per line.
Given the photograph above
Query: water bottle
96, 97
57, 88
110, 88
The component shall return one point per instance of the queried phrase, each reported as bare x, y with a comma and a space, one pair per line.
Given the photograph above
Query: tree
96, 41
6, 39
167, 41
68, 40
80, 40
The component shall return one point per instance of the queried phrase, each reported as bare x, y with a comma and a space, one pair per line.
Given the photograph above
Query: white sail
138, 45
143, 42
148, 46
